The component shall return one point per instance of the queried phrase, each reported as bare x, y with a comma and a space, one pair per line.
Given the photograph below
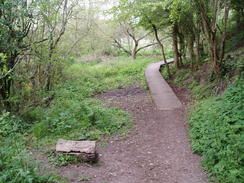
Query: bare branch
119, 45
146, 46
145, 36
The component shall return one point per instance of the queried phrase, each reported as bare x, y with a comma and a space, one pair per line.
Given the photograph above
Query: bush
217, 133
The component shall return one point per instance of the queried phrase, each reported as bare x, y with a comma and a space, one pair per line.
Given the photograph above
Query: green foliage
72, 112
151, 52
189, 79
3, 64
63, 159
233, 63
15, 20
182, 75
15, 17
15, 164
201, 91
165, 73
68, 115
40, 129
11, 125
216, 132
235, 40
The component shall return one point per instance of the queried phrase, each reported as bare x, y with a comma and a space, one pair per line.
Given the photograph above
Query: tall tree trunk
162, 49
48, 79
49, 62
211, 28
6, 81
191, 51
214, 54
5, 85
212, 44
223, 35
198, 52
182, 49
175, 46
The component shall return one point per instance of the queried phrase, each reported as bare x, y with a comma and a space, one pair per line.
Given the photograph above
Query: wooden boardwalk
162, 94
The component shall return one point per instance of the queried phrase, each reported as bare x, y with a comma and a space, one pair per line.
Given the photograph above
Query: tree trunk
134, 50
223, 35
210, 29
215, 57
49, 63
198, 53
182, 49
191, 51
175, 46
6, 82
5, 85
162, 49
212, 45
48, 76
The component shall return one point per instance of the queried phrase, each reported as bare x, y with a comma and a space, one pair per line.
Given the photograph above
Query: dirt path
157, 150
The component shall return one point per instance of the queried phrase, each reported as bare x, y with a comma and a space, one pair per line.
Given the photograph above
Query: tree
210, 13
238, 6
55, 15
15, 24
152, 16
125, 15
134, 36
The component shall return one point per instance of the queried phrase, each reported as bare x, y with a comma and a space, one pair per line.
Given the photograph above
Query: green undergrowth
201, 81
216, 120
11, 124
63, 159
71, 114
196, 81
74, 114
217, 133
16, 165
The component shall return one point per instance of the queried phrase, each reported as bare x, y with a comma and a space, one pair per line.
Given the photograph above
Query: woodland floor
156, 150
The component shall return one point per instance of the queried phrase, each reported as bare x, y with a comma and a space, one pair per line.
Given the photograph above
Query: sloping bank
217, 133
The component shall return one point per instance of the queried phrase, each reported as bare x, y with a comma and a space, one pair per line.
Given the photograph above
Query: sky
101, 6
